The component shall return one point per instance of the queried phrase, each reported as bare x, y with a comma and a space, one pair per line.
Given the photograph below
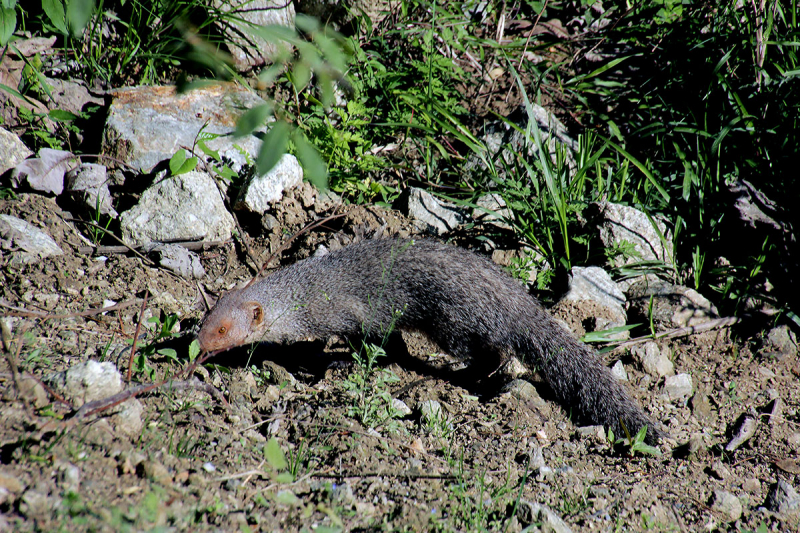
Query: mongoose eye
222, 330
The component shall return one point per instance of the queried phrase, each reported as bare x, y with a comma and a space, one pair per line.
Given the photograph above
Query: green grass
670, 104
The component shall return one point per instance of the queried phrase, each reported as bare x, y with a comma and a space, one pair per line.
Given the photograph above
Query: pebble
701, 406
619, 371
751, 484
653, 360
678, 387
719, 470
401, 407
529, 512
70, 477
727, 504
783, 499
430, 411
744, 430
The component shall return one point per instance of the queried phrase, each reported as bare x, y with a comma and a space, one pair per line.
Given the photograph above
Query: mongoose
463, 302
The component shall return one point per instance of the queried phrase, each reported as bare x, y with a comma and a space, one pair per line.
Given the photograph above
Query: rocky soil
265, 438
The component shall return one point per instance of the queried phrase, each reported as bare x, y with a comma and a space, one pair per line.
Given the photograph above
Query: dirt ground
205, 460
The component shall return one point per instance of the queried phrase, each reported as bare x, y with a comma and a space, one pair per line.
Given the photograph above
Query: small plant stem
136, 335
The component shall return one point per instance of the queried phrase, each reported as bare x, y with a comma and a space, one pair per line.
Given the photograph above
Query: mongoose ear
256, 312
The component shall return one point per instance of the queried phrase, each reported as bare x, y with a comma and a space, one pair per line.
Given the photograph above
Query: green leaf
598, 71
60, 115
8, 23
301, 75
272, 147
287, 497
54, 9
274, 454
176, 161
187, 166
251, 120
194, 350
284, 477
313, 166
179, 164
210, 152
78, 14
306, 23
328, 529
606, 334
168, 352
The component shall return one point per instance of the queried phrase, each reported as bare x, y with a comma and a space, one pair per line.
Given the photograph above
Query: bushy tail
581, 381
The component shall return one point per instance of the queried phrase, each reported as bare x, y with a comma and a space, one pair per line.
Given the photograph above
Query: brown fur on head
230, 323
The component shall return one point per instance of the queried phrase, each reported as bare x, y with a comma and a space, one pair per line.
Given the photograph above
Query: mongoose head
234, 321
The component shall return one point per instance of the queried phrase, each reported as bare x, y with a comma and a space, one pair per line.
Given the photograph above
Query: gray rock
793, 440
88, 381
342, 494
492, 209
727, 505
619, 371
89, 185
783, 499
157, 472
128, 418
595, 285
529, 512
753, 206
525, 391
180, 207
37, 506
262, 191
537, 458
719, 470
12, 150
743, 431
430, 411
653, 359
592, 432
429, 214
545, 473
180, 260
241, 16
71, 96
751, 484
32, 390
10, 483
401, 407
26, 242
673, 306
45, 173
147, 125
620, 224
678, 387
70, 477
697, 447
780, 343
701, 406
503, 141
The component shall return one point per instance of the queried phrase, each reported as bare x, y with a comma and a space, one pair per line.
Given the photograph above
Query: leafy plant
277, 462
702, 100
635, 444
163, 326
369, 388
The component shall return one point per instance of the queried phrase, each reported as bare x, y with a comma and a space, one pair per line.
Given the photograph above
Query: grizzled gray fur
463, 302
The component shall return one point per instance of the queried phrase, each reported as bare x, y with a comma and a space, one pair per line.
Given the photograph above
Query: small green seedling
635, 444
